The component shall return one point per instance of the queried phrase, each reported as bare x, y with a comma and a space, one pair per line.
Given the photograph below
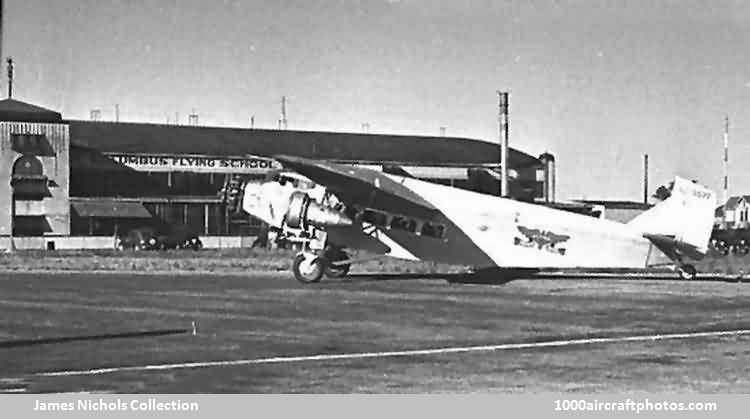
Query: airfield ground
245, 320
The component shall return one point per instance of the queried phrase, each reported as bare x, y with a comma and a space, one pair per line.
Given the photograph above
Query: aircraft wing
674, 248
362, 187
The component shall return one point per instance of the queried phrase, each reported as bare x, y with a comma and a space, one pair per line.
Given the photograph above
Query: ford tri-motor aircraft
362, 209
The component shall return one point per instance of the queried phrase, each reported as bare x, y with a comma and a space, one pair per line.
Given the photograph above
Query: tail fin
687, 215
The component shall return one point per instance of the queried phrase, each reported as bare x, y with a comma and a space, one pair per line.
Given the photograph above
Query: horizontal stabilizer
673, 248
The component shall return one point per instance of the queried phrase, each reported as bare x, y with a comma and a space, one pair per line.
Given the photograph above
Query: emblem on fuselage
543, 240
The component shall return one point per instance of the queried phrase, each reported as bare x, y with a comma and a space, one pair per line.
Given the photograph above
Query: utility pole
283, 121
645, 178
726, 159
503, 134
2, 25
10, 77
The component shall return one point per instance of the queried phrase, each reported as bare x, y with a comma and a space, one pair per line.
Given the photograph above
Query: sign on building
184, 163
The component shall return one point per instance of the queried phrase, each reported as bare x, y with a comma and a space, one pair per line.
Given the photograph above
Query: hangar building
63, 183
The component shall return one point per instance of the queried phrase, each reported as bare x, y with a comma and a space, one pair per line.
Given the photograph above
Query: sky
597, 83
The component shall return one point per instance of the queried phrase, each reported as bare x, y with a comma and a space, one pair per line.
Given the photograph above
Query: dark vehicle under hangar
73, 183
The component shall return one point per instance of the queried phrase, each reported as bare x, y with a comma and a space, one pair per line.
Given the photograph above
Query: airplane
403, 217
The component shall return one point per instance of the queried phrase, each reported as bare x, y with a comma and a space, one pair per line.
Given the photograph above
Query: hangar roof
15, 110
118, 137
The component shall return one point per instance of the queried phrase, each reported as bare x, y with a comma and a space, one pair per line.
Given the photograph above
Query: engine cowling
304, 212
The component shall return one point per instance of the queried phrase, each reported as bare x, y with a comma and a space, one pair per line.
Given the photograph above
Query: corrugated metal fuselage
488, 231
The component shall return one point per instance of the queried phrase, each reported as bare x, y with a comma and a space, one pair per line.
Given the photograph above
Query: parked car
141, 238
178, 237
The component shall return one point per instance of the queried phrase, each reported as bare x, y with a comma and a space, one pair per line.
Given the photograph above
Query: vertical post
504, 131
116, 232
10, 77
645, 178
2, 25
726, 159
12, 216
205, 218
283, 113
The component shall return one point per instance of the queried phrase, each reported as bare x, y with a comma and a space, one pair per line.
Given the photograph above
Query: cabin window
404, 223
433, 230
375, 218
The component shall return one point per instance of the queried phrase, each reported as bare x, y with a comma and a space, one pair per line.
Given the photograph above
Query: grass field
270, 315
239, 261
225, 261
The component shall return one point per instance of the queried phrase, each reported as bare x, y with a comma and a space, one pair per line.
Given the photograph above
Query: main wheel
308, 268
687, 272
337, 271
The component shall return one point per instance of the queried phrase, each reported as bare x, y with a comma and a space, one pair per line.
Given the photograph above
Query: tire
337, 271
687, 272
198, 245
308, 273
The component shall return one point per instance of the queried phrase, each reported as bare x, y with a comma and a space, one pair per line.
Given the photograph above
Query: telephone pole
645, 178
726, 159
10, 77
283, 121
503, 134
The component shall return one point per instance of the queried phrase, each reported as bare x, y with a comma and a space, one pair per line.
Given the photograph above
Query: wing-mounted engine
305, 212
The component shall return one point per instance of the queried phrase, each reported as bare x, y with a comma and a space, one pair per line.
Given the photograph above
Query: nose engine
304, 212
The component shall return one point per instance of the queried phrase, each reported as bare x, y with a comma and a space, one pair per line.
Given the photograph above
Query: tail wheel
337, 271
308, 268
687, 272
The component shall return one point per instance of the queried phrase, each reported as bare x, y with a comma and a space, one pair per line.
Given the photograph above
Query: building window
28, 166
29, 182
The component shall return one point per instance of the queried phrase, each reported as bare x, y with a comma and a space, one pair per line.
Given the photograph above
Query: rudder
688, 215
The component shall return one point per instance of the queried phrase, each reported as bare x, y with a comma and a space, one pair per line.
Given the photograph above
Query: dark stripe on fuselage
456, 247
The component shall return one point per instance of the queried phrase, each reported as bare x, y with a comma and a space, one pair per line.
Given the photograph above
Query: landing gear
308, 268
687, 272
334, 269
